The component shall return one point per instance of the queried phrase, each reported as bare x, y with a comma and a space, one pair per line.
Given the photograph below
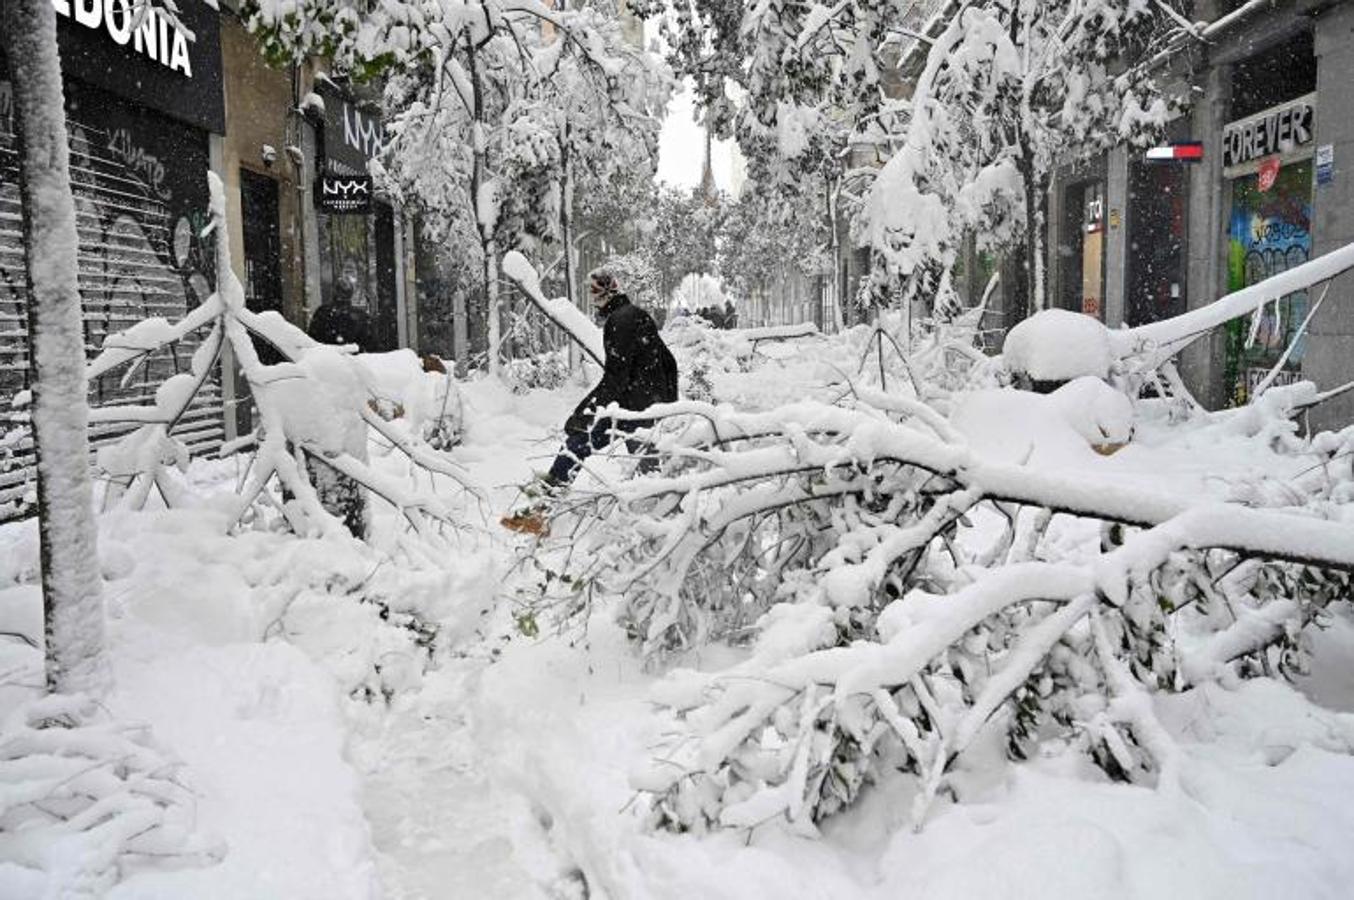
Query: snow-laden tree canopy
494, 108
970, 106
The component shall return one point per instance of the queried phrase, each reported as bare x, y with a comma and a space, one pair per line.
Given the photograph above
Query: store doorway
262, 274
1157, 200
1082, 249
385, 316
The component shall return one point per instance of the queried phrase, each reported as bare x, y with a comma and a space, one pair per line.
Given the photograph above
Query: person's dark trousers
579, 445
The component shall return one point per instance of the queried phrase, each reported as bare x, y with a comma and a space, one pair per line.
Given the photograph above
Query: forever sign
1278, 130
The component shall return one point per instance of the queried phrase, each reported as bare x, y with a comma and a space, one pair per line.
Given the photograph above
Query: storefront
359, 248
1267, 160
1080, 245
141, 104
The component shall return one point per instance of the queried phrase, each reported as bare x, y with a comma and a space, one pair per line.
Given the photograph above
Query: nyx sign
352, 135
344, 193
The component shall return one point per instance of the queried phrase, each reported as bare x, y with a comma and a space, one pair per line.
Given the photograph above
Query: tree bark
831, 188
566, 227
486, 230
73, 614
1033, 264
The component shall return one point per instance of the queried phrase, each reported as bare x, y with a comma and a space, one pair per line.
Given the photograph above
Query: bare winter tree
72, 601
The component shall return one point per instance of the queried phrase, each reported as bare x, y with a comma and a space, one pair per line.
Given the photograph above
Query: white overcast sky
681, 147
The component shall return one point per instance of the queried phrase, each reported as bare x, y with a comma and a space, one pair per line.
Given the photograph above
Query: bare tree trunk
832, 187
1036, 190
566, 227
491, 294
487, 229
71, 588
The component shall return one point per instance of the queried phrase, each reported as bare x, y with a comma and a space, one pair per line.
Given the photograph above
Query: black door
262, 271
262, 242
384, 326
1157, 197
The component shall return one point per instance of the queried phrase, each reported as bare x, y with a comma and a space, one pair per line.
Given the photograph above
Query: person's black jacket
340, 323
640, 369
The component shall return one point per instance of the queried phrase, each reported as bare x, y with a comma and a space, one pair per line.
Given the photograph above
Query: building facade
145, 113
151, 110
1132, 242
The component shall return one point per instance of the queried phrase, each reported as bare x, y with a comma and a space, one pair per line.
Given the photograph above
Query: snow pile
85, 797
1099, 413
1058, 345
1018, 427
1045, 429
421, 393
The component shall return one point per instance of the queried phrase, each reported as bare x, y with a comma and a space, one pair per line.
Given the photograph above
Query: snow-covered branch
559, 311
317, 403
840, 538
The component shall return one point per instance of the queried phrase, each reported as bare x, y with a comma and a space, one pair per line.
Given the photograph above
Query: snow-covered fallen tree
314, 412
901, 602
1054, 344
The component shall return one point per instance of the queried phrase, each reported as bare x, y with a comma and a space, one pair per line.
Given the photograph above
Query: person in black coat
640, 372
341, 320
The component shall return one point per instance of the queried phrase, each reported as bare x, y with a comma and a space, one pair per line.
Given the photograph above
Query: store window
1081, 250
1267, 160
1270, 231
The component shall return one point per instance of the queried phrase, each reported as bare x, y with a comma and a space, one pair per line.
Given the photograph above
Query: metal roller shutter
139, 257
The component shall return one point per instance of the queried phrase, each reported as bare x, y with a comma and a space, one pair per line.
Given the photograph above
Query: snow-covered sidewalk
333, 768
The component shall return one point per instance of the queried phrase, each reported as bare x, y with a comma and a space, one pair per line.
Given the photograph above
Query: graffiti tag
144, 164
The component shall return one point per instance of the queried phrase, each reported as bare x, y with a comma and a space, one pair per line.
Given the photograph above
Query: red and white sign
1184, 151
1269, 173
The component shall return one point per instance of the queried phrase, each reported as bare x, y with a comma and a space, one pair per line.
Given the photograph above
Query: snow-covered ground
335, 763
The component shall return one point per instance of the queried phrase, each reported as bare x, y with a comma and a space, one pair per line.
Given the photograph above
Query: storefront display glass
1270, 231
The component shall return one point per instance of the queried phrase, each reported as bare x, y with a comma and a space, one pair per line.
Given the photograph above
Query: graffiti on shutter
140, 200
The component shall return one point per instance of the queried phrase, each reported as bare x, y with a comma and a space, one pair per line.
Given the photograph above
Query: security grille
139, 257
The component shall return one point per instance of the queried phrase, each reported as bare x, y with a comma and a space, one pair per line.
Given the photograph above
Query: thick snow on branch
1169, 332
318, 402
818, 516
560, 310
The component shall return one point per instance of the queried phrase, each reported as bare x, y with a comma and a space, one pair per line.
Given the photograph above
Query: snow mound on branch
1007, 425
429, 402
1097, 412
1057, 344
317, 397
1010, 425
